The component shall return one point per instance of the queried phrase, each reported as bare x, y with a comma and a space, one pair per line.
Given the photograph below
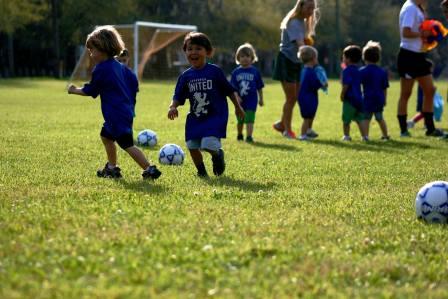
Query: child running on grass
309, 85
247, 80
351, 96
375, 83
206, 86
117, 86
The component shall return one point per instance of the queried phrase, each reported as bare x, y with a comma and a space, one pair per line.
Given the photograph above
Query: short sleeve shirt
352, 77
411, 16
374, 82
207, 90
309, 86
295, 30
247, 81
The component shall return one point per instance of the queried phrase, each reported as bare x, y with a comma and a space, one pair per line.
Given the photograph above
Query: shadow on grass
241, 184
281, 147
144, 186
379, 146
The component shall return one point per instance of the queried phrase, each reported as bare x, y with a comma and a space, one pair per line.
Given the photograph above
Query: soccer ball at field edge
147, 138
171, 154
431, 203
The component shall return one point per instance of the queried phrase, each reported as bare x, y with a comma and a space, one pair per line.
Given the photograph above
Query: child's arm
172, 112
72, 89
236, 100
260, 96
343, 92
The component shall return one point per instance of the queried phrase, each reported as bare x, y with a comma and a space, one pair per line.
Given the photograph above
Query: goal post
155, 50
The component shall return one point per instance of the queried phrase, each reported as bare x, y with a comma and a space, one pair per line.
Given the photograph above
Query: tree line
41, 37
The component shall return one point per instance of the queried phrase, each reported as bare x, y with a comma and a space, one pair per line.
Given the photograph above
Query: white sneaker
346, 138
410, 124
311, 133
303, 138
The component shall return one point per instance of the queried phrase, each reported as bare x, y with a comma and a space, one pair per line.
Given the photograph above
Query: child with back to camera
247, 80
375, 82
124, 57
309, 86
206, 87
117, 86
351, 96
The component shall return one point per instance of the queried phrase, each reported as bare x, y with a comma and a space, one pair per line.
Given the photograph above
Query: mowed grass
288, 219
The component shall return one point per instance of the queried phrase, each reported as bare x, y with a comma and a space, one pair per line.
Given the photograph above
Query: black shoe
240, 137
435, 133
219, 165
106, 172
249, 139
151, 173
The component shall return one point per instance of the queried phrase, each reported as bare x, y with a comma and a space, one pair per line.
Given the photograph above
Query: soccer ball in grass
147, 138
431, 203
171, 154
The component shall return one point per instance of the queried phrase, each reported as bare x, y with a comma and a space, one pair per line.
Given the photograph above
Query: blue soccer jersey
309, 86
247, 81
352, 77
207, 89
117, 87
374, 82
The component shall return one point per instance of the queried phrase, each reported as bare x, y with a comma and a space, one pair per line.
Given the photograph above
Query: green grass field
288, 219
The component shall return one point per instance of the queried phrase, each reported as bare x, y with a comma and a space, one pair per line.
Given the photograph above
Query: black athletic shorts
412, 65
124, 141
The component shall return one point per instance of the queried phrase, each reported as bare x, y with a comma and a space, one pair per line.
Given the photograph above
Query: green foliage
288, 219
18, 13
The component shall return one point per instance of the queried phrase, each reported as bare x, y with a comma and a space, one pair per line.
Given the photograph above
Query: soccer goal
155, 50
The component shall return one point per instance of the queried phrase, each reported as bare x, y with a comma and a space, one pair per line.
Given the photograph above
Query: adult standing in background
413, 66
297, 29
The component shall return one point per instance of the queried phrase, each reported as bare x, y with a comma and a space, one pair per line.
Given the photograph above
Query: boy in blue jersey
247, 80
375, 83
309, 85
351, 96
117, 86
206, 86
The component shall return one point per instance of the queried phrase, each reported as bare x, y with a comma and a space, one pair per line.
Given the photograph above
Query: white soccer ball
147, 138
431, 203
171, 154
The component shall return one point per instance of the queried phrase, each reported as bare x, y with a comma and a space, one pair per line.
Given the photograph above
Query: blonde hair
246, 49
307, 53
371, 51
105, 39
310, 23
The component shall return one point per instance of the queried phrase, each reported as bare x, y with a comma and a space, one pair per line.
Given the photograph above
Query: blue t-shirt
309, 86
247, 81
207, 89
117, 86
352, 77
374, 81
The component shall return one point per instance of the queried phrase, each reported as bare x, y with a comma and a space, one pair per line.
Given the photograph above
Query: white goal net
155, 51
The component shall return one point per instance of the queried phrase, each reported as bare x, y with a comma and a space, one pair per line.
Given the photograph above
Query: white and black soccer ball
171, 154
431, 203
147, 138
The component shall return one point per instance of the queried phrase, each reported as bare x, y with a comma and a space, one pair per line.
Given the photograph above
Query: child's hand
261, 102
173, 113
71, 89
239, 112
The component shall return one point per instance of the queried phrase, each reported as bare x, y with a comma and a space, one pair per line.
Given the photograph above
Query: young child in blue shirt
117, 87
351, 96
206, 86
375, 83
247, 80
309, 85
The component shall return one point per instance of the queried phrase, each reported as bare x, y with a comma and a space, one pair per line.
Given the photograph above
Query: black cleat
151, 173
219, 165
240, 137
435, 133
106, 172
249, 139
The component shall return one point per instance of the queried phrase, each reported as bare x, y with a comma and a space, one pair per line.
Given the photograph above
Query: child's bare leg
111, 150
307, 123
383, 127
239, 128
346, 129
196, 156
363, 128
367, 126
249, 129
138, 156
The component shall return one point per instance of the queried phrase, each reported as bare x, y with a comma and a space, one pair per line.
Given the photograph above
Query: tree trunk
10, 37
58, 65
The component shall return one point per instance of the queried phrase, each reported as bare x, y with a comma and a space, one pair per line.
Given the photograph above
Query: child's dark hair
105, 39
371, 52
199, 39
353, 53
